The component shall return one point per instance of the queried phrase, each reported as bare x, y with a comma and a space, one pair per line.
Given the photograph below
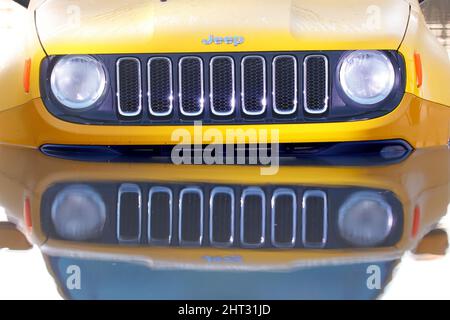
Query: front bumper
419, 122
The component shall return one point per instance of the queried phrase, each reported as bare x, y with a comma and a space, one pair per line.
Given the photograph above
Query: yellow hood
151, 26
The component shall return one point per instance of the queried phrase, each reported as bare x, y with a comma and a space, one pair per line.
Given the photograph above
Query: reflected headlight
367, 77
78, 82
365, 219
78, 213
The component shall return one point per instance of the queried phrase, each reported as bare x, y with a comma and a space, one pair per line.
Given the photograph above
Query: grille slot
222, 77
316, 82
253, 218
314, 219
160, 86
191, 86
129, 214
285, 85
190, 232
254, 85
129, 87
160, 215
221, 222
284, 218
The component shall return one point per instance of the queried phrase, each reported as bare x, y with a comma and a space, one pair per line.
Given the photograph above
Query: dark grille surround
224, 216
223, 88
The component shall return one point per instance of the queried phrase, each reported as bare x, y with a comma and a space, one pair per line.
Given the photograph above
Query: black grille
284, 218
254, 85
129, 214
129, 87
222, 217
191, 86
285, 85
316, 84
314, 219
160, 215
222, 86
191, 217
160, 86
253, 218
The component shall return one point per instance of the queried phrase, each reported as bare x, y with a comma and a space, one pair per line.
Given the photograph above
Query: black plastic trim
339, 110
329, 153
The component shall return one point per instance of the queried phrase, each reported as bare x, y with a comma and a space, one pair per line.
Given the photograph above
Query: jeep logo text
236, 40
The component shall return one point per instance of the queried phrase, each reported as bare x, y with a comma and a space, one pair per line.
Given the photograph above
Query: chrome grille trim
121, 112
199, 192
153, 191
214, 193
253, 191
202, 87
264, 99
319, 194
276, 194
152, 112
274, 85
305, 85
129, 188
233, 81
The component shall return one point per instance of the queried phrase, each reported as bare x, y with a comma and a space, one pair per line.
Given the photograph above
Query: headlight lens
367, 77
365, 219
78, 82
78, 213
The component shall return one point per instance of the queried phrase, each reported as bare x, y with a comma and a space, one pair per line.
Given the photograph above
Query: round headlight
367, 77
365, 219
78, 82
78, 213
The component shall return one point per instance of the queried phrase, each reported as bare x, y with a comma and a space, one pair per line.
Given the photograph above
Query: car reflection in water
157, 231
